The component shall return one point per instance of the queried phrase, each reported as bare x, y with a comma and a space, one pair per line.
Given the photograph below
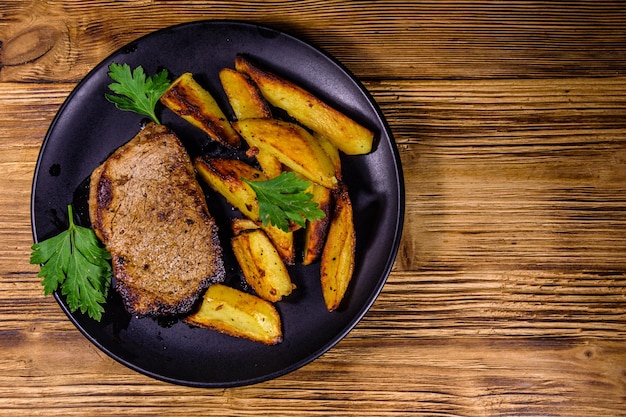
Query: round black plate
87, 129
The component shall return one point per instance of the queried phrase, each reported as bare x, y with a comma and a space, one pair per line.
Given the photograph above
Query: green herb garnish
137, 92
76, 261
283, 199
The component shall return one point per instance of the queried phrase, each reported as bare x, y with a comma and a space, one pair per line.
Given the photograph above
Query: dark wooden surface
508, 296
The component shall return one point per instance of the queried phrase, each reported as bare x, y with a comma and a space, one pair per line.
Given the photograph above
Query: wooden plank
486, 189
451, 39
469, 303
386, 376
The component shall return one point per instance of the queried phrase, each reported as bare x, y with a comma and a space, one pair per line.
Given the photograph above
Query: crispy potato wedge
243, 95
337, 262
349, 136
332, 151
316, 231
283, 241
261, 265
224, 176
189, 100
238, 314
292, 145
270, 165
241, 225
247, 102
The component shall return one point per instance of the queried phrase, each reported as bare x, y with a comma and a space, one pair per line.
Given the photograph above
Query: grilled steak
148, 209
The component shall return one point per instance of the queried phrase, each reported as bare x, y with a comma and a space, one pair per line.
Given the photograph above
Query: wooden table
508, 295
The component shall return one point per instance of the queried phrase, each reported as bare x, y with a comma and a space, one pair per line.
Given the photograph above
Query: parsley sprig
283, 199
136, 91
75, 261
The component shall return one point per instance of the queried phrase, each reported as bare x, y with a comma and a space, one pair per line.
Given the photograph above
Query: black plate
87, 129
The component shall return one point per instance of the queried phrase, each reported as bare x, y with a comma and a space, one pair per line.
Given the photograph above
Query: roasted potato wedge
316, 231
238, 314
292, 145
241, 225
247, 102
337, 262
224, 176
189, 100
349, 136
269, 164
332, 151
244, 96
283, 241
261, 265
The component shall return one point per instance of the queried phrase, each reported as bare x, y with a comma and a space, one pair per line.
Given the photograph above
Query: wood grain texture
508, 296
375, 39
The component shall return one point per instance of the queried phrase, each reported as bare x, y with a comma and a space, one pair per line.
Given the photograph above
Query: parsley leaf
136, 92
75, 261
282, 199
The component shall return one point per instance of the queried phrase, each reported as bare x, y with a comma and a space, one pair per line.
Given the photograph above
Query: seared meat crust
147, 207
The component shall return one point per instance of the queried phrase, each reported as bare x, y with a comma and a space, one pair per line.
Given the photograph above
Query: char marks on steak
148, 209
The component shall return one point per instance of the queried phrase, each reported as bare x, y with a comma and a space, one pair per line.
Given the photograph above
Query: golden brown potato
316, 231
240, 225
261, 265
292, 145
238, 314
247, 102
283, 240
189, 100
332, 151
348, 135
337, 263
243, 95
270, 165
224, 176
